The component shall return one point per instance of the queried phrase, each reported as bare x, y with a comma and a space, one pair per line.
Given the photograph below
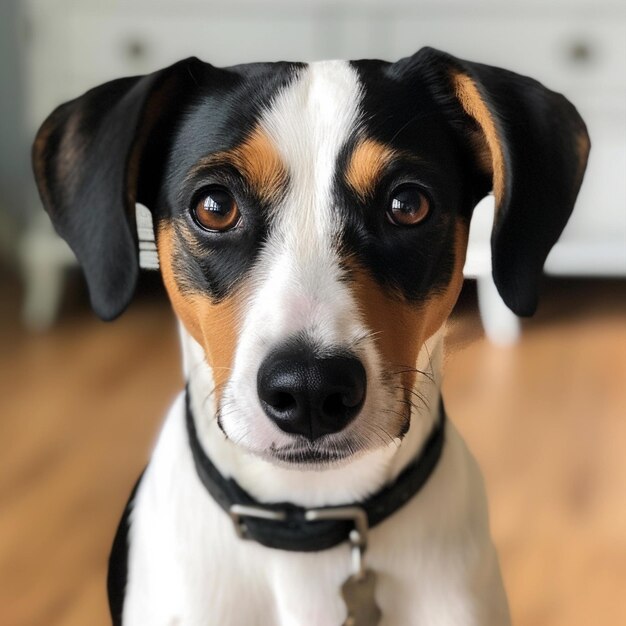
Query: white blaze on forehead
310, 121
296, 286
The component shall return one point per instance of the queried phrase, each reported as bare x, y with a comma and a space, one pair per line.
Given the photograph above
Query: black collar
285, 526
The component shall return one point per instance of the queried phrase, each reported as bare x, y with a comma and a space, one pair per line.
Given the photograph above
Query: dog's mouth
383, 425
332, 450
309, 454
300, 452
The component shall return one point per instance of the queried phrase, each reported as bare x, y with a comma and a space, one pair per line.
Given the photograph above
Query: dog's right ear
88, 159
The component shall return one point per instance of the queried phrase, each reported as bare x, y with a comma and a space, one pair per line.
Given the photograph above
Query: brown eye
217, 211
408, 206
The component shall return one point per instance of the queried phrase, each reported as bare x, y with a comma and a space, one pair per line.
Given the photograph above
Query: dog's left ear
529, 145
93, 158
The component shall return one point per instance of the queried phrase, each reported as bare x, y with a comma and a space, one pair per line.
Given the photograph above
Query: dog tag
358, 594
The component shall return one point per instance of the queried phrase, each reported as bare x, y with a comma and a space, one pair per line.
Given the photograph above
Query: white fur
297, 284
434, 558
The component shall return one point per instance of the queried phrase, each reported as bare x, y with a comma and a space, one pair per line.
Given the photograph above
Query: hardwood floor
547, 422
80, 407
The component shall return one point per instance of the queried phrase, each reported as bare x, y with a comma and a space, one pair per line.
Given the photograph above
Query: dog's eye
409, 206
216, 210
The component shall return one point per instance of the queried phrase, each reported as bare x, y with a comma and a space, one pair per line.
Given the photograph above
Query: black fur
135, 139
82, 161
127, 140
545, 146
413, 262
117, 575
218, 121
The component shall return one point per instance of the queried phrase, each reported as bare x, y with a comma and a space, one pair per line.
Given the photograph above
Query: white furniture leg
44, 259
501, 325
43, 282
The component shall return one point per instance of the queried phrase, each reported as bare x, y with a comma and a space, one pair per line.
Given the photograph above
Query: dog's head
311, 222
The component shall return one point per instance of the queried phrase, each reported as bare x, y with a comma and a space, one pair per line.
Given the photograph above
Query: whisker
396, 413
209, 396
416, 393
430, 360
414, 370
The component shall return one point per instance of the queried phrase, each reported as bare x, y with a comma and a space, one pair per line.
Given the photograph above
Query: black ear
532, 145
88, 159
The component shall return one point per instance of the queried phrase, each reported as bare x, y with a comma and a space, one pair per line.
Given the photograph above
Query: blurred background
542, 404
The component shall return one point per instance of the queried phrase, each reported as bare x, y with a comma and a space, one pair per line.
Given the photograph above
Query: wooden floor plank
81, 405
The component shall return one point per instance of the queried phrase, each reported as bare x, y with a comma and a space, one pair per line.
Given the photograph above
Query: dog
311, 222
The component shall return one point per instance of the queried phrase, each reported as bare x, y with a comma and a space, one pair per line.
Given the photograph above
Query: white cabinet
584, 57
577, 47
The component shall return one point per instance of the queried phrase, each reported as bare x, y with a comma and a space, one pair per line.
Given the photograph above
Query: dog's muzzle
311, 395
287, 526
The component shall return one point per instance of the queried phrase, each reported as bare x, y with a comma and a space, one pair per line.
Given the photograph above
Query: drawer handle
581, 52
135, 49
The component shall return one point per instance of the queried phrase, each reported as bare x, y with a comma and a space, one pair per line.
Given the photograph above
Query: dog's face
310, 241
311, 224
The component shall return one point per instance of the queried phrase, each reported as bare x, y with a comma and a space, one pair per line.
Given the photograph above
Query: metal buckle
237, 511
358, 535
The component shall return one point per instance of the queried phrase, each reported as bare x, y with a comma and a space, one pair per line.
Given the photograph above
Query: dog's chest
188, 568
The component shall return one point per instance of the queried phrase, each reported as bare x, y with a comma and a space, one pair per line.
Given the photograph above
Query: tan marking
402, 328
367, 164
75, 142
157, 103
39, 161
214, 326
490, 148
72, 148
69, 152
191, 241
583, 146
257, 159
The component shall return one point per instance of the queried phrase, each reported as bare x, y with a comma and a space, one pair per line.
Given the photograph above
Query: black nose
309, 395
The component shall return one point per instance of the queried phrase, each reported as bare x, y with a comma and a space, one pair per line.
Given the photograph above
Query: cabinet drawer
568, 54
110, 46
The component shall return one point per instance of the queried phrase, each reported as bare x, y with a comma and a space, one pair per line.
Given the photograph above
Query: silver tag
358, 594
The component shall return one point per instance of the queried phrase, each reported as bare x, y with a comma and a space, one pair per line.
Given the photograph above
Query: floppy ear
88, 159
532, 146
